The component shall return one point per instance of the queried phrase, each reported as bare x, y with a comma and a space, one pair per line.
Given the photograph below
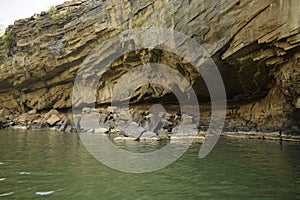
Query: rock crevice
255, 45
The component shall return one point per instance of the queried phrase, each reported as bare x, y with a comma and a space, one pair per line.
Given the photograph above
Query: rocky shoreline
137, 122
256, 48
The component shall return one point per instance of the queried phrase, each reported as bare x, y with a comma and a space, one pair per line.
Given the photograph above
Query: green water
49, 165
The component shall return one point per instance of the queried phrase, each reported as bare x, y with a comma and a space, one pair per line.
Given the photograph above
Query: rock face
254, 43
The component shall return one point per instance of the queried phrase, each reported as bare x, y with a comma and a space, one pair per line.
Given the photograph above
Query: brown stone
54, 118
255, 46
297, 103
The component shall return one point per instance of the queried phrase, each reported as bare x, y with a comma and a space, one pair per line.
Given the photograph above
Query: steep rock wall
255, 44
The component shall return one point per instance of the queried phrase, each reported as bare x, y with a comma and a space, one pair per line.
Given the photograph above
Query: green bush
52, 10
60, 15
56, 15
7, 40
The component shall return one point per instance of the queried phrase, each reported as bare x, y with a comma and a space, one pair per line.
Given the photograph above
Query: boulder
64, 125
32, 112
54, 118
39, 126
4, 112
50, 113
163, 135
112, 109
124, 115
102, 118
187, 119
298, 103
3, 123
86, 110
101, 130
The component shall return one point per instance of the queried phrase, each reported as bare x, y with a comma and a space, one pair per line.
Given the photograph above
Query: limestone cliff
255, 44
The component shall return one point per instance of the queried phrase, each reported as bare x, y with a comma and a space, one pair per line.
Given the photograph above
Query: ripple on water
24, 173
2, 179
6, 194
44, 193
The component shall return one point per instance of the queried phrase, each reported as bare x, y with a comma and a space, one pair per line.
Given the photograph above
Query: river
35, 164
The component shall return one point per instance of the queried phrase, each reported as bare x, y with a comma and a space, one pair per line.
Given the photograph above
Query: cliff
254, 43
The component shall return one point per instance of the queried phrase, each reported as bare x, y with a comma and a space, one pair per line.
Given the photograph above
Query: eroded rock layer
254, 43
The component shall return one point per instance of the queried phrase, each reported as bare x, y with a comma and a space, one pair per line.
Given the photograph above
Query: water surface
36, 164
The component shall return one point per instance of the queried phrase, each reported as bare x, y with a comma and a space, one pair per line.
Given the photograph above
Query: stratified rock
254, 44
64, 125
26, 118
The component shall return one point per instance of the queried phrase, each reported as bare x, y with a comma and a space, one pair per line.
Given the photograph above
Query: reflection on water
57, 166
140, 147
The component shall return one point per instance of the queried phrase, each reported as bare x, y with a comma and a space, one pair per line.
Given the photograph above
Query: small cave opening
296, 118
